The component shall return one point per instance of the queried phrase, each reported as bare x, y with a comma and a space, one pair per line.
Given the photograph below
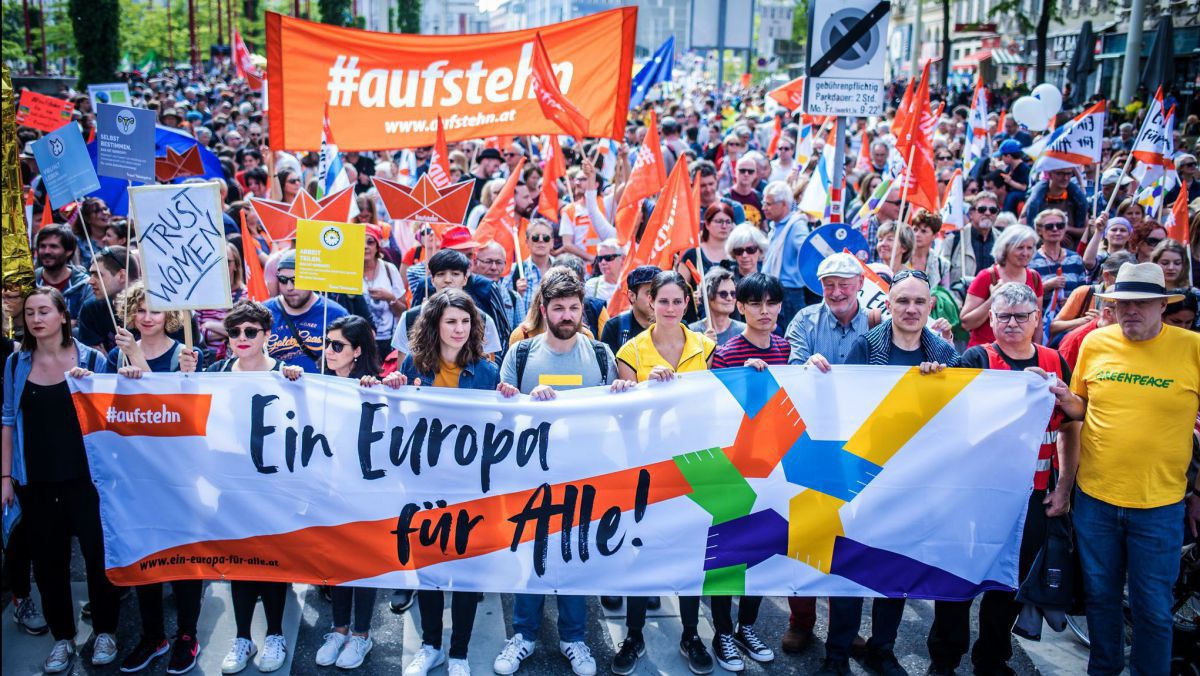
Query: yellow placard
329, 256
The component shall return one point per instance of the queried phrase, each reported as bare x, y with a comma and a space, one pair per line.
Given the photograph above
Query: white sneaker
426, 659
60, 658
328, 653
274, 653
356, 651
238, 656
104, 650
510, 657
582, 662
459, 668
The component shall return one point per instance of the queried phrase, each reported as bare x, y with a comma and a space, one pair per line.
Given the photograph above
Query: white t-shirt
596, 287
386, 277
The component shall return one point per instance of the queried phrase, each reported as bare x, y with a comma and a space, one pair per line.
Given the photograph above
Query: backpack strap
994, 272
601, 360
522, 359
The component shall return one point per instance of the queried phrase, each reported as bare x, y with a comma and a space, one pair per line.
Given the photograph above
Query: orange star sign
424, 202
279, 218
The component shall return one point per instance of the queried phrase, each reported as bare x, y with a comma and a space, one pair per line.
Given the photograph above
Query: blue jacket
16, 372
78, 290
1036, 201
482, 375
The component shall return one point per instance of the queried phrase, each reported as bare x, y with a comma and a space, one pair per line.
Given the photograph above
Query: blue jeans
572, 616
1143, 543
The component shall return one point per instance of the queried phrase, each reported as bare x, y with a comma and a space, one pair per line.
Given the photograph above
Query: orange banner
143, 415
387, 90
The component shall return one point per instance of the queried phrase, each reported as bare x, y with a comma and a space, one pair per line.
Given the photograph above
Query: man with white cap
1109, 181
1136, 387
830, 327
1185, 167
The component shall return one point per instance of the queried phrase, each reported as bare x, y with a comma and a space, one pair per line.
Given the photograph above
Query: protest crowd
971, 245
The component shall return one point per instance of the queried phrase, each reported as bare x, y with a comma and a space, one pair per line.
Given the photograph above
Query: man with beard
965, 261
56, 246
299, 318
559, 359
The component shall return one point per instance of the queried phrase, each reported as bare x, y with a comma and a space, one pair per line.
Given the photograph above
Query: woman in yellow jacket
658, 353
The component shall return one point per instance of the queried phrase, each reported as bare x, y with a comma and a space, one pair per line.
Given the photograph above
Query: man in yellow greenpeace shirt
1136, 387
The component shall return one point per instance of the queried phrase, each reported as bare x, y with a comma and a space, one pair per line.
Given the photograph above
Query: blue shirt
787, 236
284, 345
814, 330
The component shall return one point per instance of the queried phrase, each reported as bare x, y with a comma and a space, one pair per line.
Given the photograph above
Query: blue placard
67, 171
826, 240
125, 143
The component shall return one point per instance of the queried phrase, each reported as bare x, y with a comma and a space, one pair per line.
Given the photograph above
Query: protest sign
785, 481
387, 90
115, 93
44, 113
182, 240
67, 170
329, 256
125, 143
846, 56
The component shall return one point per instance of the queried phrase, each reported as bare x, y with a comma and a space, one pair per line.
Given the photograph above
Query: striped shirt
1073, 272
735, 352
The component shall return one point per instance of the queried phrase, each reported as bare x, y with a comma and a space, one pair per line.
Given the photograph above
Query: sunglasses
336, 345
1153, 241
293, 180
285, 281
905, 274
786, 149
1055, 225
607, 258
251, 332
747, 171
1021, 317
726, 295
541, 238
988, 210
739, 251
944, 157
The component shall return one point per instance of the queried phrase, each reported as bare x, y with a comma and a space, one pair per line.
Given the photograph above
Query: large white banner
865, 481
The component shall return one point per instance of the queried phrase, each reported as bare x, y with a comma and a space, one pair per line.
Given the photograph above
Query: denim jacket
16, 372
482, 375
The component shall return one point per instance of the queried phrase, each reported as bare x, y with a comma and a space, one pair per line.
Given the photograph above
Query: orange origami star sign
178, 165
425, 202
279, 218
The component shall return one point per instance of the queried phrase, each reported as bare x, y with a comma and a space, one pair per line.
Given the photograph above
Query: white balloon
1030, 113
1052, 99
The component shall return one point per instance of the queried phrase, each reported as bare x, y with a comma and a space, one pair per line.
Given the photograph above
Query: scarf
879, 346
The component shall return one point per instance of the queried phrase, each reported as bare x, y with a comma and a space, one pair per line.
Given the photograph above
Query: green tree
1049, 13
13, 34
97, 25
335, 12
408, 16
800, 22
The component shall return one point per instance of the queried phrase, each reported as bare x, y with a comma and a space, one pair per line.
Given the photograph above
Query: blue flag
657, 69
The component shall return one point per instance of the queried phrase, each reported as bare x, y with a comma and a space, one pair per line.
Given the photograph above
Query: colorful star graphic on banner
279, 218
424, 201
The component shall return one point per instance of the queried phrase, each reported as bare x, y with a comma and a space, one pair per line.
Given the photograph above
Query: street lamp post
1133, 53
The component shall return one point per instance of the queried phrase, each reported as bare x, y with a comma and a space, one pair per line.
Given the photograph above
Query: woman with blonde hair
153, 350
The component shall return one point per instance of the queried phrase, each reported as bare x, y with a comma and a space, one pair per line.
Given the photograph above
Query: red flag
552, 170
1177, 221
646, 179
864, 155
244, 64
916, 147
256, 283
439, 160
499, 224
901, 116
1000, 121
554, 104
790, 95
775, 136
674, 226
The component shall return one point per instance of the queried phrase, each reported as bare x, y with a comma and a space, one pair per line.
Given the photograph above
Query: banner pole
187, 329
324, 325
1117, 187
92, 248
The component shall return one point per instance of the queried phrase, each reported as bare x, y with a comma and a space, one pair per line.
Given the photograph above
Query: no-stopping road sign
846, 50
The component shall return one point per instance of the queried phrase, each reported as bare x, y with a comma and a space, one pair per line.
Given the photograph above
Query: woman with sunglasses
784, 163
1061, 269
350, 352
1013, 251
447, 351
610, 258
746, 245
248, 325
539, 241
1146, 235
94, 217
290, 184
721, 288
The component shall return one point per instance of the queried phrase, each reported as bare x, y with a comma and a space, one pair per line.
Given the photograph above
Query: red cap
458, 237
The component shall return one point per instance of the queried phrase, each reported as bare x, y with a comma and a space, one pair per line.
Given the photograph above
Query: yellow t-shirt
447, 375
1142, 400
641, 355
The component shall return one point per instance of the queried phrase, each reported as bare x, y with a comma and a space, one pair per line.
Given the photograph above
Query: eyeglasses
607, 258
721, 221
726, 295
490, 261
541, 238
747, 171
1054, 225
895, 202
251, 332
511, 154
336, 345
1186, 165
285, 281
1020, 317
905, 274
740, 251
988, 210
737, 144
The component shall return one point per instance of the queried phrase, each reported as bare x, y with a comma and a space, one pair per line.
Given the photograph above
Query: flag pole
1117, 188
903, 207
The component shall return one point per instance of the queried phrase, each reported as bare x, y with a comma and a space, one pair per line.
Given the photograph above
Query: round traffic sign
860, 53
826, 240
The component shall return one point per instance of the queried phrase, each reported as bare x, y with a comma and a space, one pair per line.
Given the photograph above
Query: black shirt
96, 326
859, 353
977, 358
53, 439
620, 330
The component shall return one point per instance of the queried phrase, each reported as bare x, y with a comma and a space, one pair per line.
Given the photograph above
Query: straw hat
1140, 281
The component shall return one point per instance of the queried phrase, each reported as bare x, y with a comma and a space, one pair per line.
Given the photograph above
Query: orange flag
864, 155
439, 161
499, 224
646, 179
674, 226
790, 95
554, 104
256, 283
916, 147
1178, 222
901, 116
552, 170
775, 136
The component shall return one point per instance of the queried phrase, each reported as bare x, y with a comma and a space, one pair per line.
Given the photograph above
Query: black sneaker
86, 611
699, 661
654, 603
749, 642
183, 654
628, 654
727, 653
610, 602
143, 654
402, 600
883, 662
833, 666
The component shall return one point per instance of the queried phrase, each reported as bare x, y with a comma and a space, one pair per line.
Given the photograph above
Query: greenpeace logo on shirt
1135, 379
